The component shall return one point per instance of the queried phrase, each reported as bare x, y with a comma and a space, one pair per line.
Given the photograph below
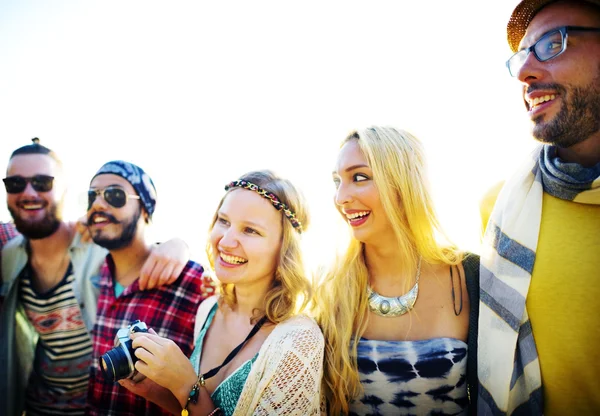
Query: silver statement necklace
394, 306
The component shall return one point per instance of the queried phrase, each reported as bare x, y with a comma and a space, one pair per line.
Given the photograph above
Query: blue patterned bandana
136, 176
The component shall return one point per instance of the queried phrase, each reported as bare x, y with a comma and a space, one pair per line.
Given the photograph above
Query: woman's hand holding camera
163, 362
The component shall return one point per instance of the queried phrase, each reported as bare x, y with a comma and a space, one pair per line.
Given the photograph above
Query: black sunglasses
113, 195
17, 184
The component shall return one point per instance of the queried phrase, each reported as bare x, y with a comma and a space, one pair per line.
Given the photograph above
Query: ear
146, 217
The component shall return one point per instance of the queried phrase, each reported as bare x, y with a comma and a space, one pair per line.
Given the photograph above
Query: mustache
109, 217
547, 86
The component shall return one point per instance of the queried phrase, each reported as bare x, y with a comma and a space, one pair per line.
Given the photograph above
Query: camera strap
236, 350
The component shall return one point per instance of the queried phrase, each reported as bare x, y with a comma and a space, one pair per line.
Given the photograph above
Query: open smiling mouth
356, 217
540, 100
232, 259
31, 205
99, 218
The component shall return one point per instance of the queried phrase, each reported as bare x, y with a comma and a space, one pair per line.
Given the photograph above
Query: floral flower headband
280, 206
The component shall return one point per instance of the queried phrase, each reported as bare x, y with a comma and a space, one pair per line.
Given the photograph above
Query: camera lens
118, 363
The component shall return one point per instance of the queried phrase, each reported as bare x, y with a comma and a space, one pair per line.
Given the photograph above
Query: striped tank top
59, 380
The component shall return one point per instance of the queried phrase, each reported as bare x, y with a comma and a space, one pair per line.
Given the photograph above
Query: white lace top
286, 377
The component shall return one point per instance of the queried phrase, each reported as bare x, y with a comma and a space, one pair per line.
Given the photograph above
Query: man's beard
38, 229
578, 118
126, 237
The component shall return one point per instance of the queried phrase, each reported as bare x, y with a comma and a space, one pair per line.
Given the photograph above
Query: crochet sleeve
290, 383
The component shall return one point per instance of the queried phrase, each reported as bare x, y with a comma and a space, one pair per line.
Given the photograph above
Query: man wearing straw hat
540, 279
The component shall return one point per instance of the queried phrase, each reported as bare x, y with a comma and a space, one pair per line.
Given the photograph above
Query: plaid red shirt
169, 310
8, 231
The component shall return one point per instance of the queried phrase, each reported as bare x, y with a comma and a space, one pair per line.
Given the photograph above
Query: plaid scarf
507, 259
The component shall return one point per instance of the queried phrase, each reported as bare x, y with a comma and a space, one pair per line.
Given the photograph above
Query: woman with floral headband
254, 353
399, 308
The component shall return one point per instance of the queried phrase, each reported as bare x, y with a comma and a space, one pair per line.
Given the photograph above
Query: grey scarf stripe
513, 251
565, 180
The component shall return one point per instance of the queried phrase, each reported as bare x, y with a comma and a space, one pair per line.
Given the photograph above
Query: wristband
194, 394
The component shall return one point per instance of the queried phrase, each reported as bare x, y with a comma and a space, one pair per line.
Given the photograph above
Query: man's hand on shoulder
165, 264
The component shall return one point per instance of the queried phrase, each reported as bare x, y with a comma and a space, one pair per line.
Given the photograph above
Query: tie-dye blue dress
426, 377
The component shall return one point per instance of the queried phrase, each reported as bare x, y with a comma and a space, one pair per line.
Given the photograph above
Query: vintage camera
119, 362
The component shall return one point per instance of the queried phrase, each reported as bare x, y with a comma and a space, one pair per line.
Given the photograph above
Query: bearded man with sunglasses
121, 201
50, 291
540, 262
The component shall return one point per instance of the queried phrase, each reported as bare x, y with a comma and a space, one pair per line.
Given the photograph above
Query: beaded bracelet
194, 394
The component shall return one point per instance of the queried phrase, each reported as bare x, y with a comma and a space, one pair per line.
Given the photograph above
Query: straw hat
521, 17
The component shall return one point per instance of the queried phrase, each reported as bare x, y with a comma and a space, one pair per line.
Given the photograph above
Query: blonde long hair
398, 163
291, 290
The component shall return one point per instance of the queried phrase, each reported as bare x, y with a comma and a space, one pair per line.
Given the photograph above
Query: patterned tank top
426, 377
59, 380
227, 394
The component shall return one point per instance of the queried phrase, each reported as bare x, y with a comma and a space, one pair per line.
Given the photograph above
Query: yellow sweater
563, 304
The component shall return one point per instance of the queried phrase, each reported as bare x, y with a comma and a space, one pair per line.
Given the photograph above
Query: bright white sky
197, 93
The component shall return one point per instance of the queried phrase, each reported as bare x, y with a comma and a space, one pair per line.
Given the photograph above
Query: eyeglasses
115, 196
17, 184
549, 46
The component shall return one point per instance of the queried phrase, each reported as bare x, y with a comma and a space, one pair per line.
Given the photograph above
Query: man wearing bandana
121, 201
49, 291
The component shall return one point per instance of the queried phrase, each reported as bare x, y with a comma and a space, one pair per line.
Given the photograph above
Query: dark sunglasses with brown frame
17, 184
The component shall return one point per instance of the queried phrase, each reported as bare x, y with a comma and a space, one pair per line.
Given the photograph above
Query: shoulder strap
236, 350
471, 267
202, 313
